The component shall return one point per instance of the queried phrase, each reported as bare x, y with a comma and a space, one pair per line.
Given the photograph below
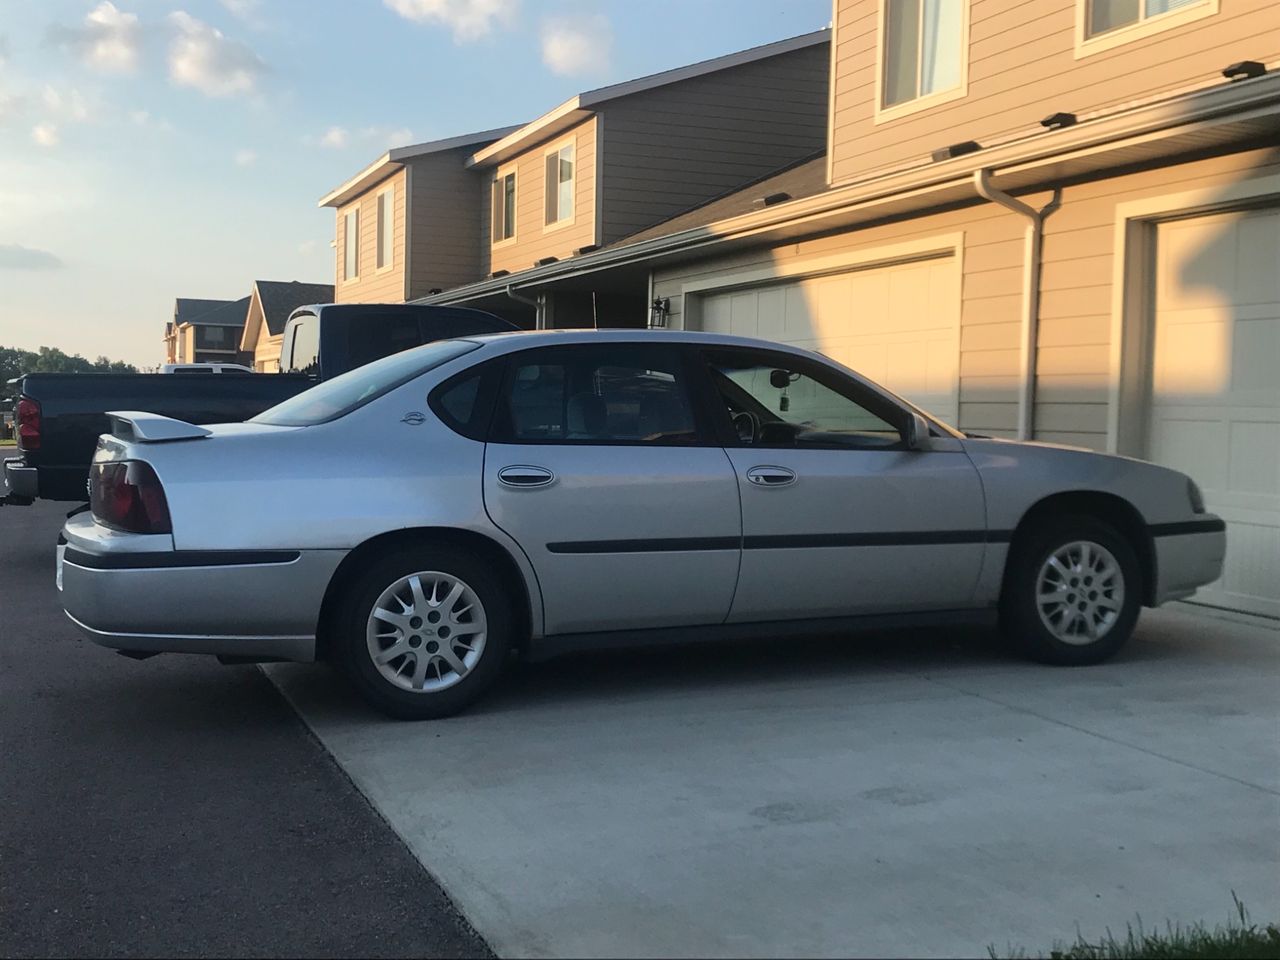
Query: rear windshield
337, 397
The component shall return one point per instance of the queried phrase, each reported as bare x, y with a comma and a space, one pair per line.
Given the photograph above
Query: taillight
28, 424
127, 495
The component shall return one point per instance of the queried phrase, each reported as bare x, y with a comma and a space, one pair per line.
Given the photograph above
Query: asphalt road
176, 807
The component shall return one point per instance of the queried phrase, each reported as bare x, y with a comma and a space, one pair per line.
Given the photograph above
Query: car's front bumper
133, 592
1189, 555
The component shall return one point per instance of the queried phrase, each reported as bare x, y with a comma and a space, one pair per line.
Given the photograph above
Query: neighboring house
408, 223
596, 168
270, 304
1125, 297
205, 331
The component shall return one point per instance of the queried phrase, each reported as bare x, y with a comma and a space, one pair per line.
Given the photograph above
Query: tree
15, 362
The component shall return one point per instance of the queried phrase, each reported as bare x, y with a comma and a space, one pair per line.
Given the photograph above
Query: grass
8, 443
1239, 938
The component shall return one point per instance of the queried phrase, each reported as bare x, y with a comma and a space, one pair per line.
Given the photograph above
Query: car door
602, 469
839, 517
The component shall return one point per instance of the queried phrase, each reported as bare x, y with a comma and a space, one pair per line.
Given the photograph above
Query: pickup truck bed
73, 413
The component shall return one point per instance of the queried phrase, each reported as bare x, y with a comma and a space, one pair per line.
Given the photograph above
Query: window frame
385, 233
500, 176
1141, 28
859, 393
570, 143
351, 245
884, 114
690, 369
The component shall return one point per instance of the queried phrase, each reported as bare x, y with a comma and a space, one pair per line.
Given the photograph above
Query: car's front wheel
1073, 591
424, 632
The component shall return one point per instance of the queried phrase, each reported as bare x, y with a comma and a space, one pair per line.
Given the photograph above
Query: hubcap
1080, 592
426, 632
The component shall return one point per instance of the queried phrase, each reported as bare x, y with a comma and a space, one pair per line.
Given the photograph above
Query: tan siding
1022, 67
444, 235
534, 240
988, 325
675, 147
266, 357
373, 286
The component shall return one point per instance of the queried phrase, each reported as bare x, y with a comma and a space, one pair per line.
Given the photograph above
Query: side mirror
917, 435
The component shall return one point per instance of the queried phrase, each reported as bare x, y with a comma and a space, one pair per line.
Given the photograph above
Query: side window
621, 394
778, 400
465, 402
306, 347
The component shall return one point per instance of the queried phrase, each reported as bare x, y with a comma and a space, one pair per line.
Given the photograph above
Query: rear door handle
523, 475
771, 476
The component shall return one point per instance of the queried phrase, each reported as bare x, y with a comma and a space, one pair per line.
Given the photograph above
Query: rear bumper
1188, 556
22, 481
250, 604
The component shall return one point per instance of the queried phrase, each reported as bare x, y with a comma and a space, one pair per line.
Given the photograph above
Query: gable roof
395, 158
186, 309
231, 313
279, 298
576, 109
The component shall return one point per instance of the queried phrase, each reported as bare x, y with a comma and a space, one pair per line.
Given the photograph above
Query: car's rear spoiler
152, 427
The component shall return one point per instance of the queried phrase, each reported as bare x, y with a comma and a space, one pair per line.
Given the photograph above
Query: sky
154, 149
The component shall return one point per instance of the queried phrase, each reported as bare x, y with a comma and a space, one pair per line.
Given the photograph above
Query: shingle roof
230, 314
804, 178
279, 298
186, 309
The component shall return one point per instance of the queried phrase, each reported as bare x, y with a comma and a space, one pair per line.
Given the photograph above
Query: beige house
1056, 220
204, 331
589, 172
270, 304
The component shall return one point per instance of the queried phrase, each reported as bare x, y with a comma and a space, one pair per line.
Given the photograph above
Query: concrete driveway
918, 794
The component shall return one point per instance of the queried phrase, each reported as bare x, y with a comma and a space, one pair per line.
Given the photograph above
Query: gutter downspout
1031, 264
540, 316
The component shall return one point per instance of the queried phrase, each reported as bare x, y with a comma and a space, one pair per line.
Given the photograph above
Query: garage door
898, 325
1215, 397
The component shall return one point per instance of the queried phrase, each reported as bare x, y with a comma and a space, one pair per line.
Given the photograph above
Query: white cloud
246, 10
399, 137
581, 45
386, 136
334, 138
200, 56
68, 106
308, 247
245, 158
45, 134
140, 117
468, 19
14, 256
109, 40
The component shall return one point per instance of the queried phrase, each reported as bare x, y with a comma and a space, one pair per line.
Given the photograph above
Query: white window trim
563, 221
353, 278
885, 114
1087, 46
1132, 276
499, 175
391, 248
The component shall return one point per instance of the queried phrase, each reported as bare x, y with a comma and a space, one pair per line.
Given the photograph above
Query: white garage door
898, 325
1215, 398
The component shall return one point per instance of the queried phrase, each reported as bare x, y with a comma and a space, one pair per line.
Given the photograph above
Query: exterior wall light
1244, 70
658, 313
956, 150
1056, 121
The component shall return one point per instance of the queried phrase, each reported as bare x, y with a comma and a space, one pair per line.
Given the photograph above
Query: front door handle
523, 475
771, 476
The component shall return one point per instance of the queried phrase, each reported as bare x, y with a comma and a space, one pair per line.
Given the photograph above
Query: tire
1080, 611
481, 607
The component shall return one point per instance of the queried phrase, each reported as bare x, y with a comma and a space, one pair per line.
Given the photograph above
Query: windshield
337, 397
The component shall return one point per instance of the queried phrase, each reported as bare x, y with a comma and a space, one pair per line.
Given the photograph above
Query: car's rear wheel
1073, 591
424, 632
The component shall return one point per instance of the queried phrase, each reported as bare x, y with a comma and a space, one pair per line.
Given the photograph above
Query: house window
1106, 15
351, 245
386, 227
923, 49
504, 207
560, 184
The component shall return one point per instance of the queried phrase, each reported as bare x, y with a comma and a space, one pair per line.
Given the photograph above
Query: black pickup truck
59, 416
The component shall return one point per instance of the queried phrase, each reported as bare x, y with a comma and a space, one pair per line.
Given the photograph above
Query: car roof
523, 339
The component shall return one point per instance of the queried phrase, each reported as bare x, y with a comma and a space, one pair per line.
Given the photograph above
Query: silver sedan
418, 519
